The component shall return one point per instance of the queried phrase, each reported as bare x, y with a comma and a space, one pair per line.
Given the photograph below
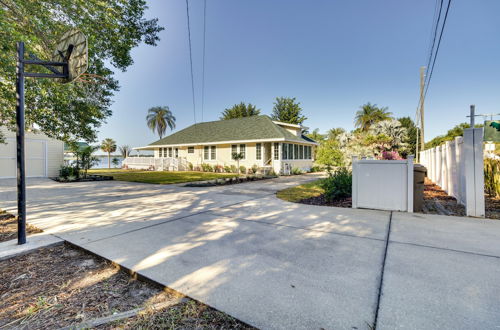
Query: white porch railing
156, 163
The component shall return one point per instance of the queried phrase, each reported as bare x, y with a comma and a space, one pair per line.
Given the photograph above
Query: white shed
44, 155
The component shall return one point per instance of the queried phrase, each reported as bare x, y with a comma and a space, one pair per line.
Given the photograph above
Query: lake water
103, 162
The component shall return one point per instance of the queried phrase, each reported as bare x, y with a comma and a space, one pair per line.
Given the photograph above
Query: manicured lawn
304, 191
159, 177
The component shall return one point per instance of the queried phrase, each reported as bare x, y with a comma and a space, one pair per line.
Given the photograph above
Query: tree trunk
109, 160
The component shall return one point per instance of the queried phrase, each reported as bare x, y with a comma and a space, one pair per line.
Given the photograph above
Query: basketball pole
21, 170
20, 129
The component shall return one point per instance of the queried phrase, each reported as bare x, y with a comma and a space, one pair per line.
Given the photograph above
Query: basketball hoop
71, 54
72, 48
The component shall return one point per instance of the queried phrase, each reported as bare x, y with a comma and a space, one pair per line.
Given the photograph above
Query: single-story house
44, 155
263, 142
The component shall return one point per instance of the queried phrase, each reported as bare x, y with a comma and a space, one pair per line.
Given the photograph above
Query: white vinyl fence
156, 163
457, 167
382, 184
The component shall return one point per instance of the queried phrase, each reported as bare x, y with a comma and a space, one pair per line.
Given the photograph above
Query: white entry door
36, 158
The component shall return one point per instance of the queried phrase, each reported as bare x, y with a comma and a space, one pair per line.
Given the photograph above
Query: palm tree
108, 145
159, 119
125, 151
370, 114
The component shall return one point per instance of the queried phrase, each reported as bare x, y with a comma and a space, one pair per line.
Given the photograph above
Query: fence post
468, 157
479, 172
354, 182
460, 169
410, 184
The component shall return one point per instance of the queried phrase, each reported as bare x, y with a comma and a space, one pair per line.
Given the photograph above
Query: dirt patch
8, 227
436, 201
63, 286
321, 200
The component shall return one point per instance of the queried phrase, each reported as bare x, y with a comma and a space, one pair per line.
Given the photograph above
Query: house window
284, 151
295, 151
258, 151
290, 151
206, 152
301, 152
213, 152
170, 152
176, 152
160, 152
190, 150
276, 151
234, 150
242, 150
309, 152
306, 152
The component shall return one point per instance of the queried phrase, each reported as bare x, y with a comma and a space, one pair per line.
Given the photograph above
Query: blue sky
333, 56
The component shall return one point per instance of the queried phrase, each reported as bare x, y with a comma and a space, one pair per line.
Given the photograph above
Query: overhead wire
191, 60
203, 62
437, 48
432, 55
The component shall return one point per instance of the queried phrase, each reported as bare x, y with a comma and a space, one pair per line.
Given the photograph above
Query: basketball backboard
72, 48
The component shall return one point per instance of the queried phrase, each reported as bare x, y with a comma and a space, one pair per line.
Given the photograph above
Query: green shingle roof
238, 129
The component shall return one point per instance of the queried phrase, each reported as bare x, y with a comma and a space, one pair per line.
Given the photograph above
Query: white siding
44, 156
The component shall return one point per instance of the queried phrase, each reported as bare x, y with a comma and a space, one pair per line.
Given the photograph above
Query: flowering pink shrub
390, 155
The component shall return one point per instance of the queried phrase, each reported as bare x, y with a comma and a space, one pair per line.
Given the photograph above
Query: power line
437, 48
191, 60
435, 28
203, 70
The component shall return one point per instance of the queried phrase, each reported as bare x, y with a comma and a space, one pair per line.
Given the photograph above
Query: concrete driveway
280, 265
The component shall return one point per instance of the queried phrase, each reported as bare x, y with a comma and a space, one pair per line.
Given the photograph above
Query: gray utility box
419, 174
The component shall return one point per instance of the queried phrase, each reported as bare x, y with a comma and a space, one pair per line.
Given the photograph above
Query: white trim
153, 147
286, 124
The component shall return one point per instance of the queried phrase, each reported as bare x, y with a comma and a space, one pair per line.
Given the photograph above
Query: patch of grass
159, 177
303, 191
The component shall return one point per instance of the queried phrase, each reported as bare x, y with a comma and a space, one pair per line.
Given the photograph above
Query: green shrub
338, 185
207, 167
255, 168
68, 171
227, 169
316, 168
296, 171
243, 169
234, 169
492, 177
191, 166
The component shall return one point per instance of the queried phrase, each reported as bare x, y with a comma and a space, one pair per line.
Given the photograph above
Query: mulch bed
8, 227
63, 286
436, 201
322, 201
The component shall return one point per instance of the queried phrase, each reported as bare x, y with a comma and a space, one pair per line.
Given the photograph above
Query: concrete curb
10, 249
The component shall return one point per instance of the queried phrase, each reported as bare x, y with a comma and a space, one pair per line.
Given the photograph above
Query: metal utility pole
422, 97
472, 115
